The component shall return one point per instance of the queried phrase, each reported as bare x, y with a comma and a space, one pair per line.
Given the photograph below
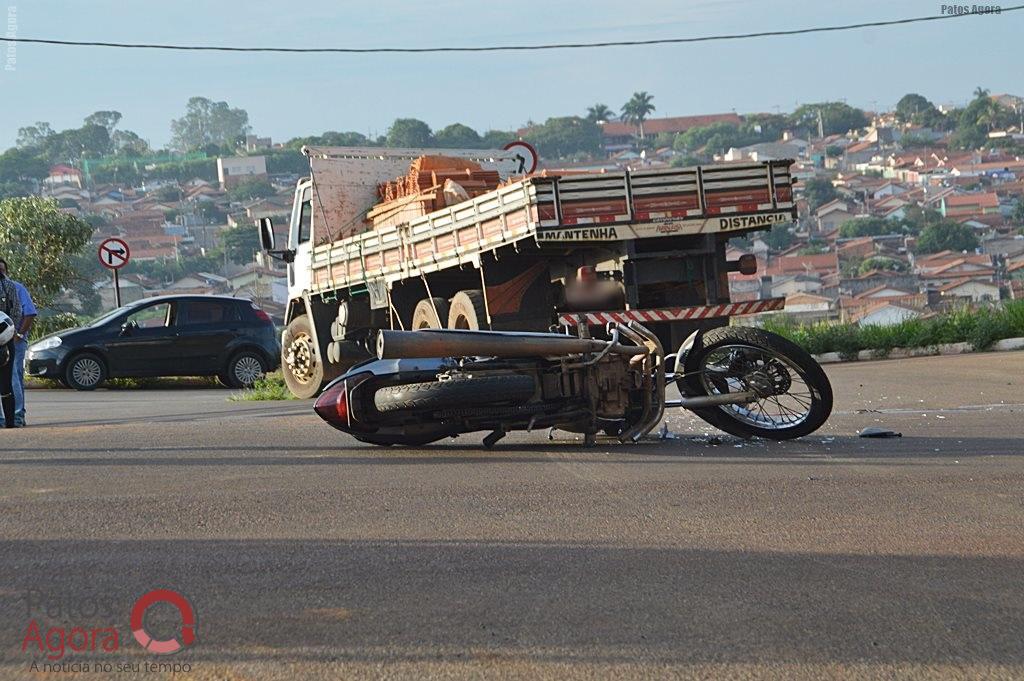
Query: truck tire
301, 363
463, 392
425, 316
468, 311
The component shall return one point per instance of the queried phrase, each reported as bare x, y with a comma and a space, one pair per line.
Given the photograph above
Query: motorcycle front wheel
797, 394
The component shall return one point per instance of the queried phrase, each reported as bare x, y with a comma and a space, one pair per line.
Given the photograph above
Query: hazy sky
290, 95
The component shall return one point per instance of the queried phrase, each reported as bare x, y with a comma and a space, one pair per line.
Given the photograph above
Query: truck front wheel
301, 363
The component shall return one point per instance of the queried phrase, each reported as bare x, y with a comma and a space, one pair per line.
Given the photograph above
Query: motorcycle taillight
334, 405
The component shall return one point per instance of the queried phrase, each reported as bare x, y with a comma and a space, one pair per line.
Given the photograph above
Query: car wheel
85, 372
244, 369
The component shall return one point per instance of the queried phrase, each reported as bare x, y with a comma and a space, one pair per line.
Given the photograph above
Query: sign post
114, 254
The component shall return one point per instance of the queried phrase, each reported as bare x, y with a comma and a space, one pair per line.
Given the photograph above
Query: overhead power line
505, 48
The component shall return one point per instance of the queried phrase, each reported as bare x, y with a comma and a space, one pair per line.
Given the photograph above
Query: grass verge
270, 387
980, 327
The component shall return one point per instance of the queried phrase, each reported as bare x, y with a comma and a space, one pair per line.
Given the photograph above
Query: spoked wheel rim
87, 372
300, 358
248, 370
785, 399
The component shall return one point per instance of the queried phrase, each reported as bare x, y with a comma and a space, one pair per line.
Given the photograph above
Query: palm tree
980, 92
637, 109
599, 113
992, 115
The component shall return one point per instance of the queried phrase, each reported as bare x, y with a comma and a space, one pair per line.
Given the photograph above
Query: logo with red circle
170, 645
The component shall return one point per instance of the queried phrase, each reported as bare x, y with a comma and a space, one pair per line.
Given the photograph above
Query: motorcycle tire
731, 420
462, 392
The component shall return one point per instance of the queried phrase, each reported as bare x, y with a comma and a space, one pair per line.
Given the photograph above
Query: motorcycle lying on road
430, 384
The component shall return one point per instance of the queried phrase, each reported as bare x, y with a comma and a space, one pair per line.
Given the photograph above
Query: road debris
872, 431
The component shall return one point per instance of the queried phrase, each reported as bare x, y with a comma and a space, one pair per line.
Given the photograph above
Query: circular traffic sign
525, 154
113, 253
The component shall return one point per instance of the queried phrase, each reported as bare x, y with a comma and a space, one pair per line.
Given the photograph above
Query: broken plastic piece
872, 431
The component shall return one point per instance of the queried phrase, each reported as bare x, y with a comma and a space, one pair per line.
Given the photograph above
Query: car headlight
46, 344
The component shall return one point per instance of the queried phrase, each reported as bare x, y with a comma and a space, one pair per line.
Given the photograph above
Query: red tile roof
675, 124
987, 200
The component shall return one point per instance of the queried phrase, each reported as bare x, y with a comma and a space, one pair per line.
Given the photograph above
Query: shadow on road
838, 451
408, 600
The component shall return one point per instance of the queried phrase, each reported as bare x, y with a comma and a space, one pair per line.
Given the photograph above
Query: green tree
409, 132
779, 237
250, 190
836, 118
208, 122
41, 242
457, 136
637, 109
332, 139
240, 243
169, 192
866, 227
599, 113
946, 235
968, 137
566, 136
881, 263
767, 127
496, 139
17, 164
914, 108
914, 141
128, 143
818, 192
107, 119
33, 136
1018, 212
286, 160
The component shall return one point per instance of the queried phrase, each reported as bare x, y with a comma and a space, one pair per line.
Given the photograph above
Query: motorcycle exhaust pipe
451, 343
713, 400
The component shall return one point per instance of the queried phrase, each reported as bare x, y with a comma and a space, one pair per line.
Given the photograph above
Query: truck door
300, 240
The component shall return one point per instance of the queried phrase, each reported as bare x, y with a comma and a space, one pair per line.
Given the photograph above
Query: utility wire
506, 48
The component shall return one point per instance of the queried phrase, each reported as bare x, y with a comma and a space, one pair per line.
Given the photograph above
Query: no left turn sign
525, 154
114, 253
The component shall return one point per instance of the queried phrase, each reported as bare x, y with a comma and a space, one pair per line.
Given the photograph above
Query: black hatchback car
230, 338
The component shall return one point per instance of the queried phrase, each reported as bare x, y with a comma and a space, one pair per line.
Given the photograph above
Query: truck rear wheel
468, 311
430, 313
301, 363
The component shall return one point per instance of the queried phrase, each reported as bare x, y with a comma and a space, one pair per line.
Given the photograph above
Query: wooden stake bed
577, 208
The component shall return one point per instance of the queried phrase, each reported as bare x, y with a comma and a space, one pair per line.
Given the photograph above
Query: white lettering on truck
579, 234
745, 221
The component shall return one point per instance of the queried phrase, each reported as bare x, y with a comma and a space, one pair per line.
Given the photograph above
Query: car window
153, 316
208, 312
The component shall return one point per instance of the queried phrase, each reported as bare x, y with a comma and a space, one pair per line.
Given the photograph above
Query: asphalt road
307, 555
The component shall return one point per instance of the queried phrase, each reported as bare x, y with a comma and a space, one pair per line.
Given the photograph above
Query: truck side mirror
266, 229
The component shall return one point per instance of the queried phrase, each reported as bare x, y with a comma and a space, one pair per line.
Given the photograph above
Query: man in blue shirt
28, 316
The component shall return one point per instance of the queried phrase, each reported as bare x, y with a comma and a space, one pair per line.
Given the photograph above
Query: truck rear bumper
672, 314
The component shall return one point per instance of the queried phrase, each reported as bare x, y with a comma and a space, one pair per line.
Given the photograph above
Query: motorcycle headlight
46, 344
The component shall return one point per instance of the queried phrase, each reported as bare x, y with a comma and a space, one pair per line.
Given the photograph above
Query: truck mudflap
672, 314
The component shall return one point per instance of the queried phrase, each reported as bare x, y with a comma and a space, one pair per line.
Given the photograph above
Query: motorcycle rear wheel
477, 391
799, 410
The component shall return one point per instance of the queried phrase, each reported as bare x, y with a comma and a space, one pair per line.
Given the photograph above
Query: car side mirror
127, 328
266, 229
